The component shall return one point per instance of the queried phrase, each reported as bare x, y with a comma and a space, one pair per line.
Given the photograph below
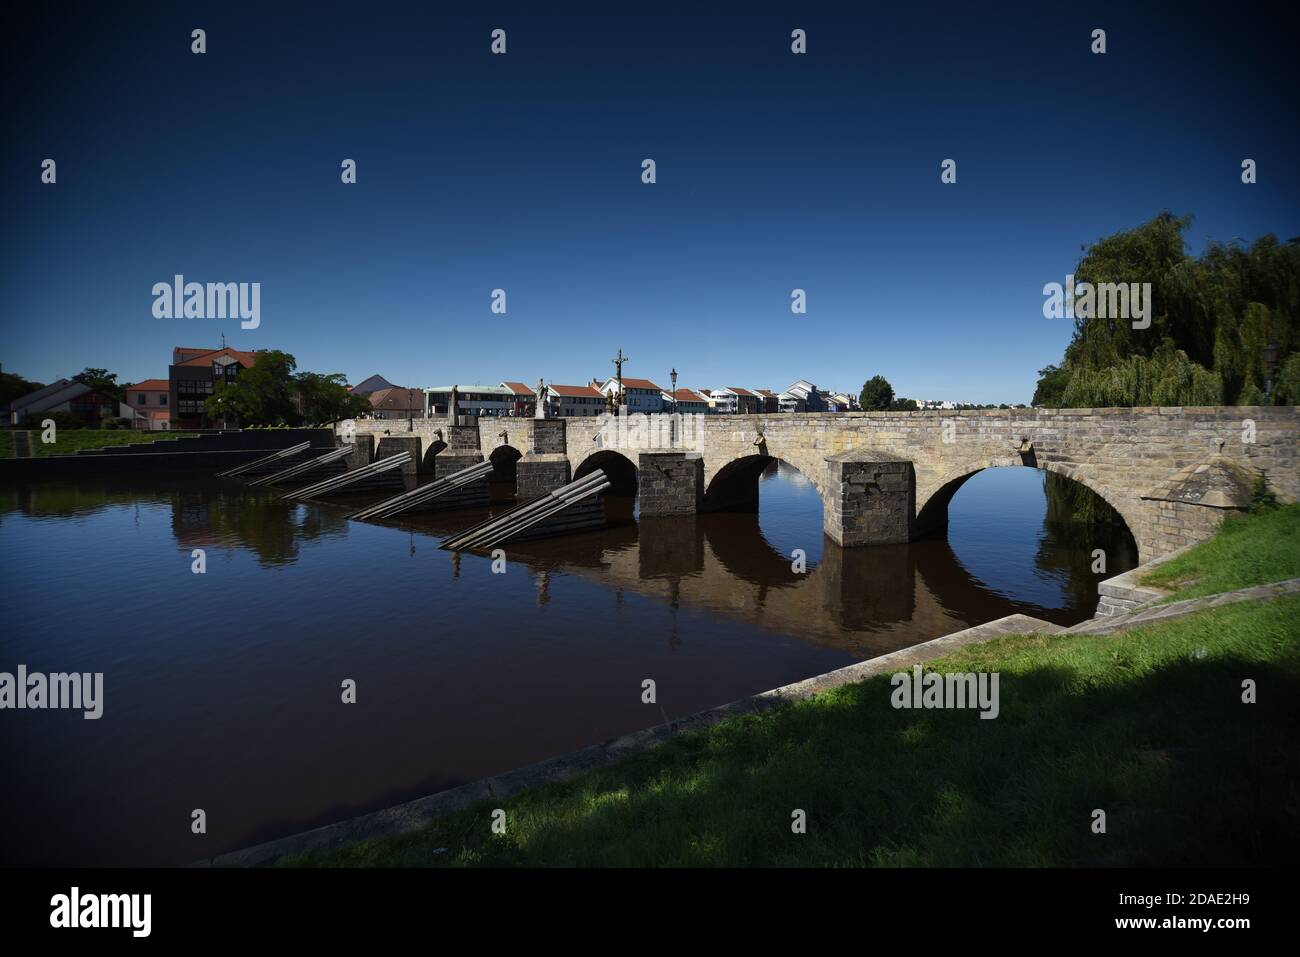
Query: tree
325, 398
1052, 381
261, 395
902, 405
1212, 320
876, 394
1287, 389
101, 380
15, 387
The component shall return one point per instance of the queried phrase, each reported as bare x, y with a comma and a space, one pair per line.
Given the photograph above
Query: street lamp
673, 375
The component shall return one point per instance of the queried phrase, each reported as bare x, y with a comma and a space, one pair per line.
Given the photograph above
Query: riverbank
71, 441
1147, 725
79, 453
1249, 550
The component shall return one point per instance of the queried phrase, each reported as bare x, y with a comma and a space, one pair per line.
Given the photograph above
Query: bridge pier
671, 483
870, 498
393, 444
536, 474
363, 450
460, 450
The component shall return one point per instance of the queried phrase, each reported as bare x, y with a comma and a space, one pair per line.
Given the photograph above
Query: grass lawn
1147, 725
6, 443
1253, 549
74, 440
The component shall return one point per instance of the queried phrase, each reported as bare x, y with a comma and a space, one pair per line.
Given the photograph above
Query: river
222, 690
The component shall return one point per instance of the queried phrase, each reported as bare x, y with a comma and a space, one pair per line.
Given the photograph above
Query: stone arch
505, 460
621, 470
932, 502
734, 486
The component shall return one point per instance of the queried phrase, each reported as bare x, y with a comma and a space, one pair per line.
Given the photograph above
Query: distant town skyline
522, 172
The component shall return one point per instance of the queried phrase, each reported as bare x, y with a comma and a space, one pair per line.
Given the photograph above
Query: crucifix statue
621, 398
539, 409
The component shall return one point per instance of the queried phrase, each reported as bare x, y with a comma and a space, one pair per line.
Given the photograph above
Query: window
139, 398
162, 398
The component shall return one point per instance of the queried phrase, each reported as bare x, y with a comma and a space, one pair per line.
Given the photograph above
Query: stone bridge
887, 477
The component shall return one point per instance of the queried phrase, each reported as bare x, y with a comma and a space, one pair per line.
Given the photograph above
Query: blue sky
522, 172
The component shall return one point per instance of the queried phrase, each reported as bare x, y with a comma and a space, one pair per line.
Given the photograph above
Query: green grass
1253, 549
1148, 725
74, 440
6, 444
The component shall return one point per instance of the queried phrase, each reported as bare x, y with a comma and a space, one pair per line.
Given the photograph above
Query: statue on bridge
451, 405
539, 409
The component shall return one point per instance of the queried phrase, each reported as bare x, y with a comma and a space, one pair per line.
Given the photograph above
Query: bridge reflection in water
864, 601
462, 673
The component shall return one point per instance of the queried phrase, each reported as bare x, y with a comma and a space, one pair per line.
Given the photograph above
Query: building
396, 403
686, 402
841, 402
66, 396
802, 396
193, 377
525, 399
642, 395
574, 400
769, 402
734, 400
150, 404
470, 400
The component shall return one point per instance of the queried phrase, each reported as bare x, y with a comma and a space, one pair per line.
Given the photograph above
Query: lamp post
673, 375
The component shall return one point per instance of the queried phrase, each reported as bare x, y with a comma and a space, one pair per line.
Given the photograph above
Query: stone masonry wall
1119, 453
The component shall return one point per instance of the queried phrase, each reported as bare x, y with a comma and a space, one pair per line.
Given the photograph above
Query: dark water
222, 690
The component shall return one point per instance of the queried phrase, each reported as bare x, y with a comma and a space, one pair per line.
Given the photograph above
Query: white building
574, 400
734, 400
470, 400
642, 394
802, 396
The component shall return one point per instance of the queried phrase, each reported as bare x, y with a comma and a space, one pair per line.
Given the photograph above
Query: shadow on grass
1149, 727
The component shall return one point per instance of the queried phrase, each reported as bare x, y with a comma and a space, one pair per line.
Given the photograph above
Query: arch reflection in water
478, 673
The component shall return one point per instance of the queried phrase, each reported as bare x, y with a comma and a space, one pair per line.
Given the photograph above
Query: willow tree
1216, 321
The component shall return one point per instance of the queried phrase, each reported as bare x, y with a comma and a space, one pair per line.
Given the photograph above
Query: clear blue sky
522, 171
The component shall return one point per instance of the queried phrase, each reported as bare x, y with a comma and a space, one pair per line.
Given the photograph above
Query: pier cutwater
82, 691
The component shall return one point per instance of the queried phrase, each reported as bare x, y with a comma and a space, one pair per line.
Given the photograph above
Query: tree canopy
272, 393
1215, 321
877, 394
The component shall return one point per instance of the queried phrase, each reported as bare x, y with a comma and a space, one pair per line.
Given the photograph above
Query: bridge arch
734, 487
621, 470
505, 460
932, 504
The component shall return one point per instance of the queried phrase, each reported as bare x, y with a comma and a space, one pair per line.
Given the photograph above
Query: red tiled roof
518, 388
766, 392
739, 391
150, 385
686, 395
574, 391
640, 384
245, 359
397, 399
